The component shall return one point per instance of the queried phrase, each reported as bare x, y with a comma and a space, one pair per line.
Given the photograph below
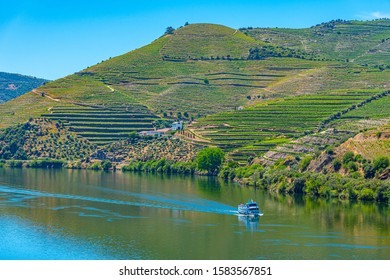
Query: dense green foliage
12, 140
210, 160
41, 139
101, 165
45, 163
286, 177
161, 166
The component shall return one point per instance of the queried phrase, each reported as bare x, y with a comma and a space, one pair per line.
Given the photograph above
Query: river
93, 215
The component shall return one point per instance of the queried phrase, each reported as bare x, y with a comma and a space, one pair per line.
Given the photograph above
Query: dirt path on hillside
112, 90
365, 53
45, 95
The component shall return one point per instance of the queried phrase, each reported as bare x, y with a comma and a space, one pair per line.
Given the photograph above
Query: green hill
290, 83
217, 76
14, 85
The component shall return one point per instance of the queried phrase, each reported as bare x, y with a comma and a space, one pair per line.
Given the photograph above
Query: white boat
249, 209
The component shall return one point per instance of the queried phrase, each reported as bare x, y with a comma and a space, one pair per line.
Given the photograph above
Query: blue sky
51, 39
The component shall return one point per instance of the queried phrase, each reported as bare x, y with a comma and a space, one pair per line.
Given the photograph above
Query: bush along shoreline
288, 176
208, 162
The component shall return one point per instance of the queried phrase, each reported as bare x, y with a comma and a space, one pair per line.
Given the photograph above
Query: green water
78, 214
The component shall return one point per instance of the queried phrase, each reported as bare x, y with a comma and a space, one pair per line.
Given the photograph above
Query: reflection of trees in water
209, 183
336, 214
287, 199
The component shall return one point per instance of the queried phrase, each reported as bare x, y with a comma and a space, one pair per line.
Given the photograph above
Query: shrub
336, 165
305, 163
382, 194
352, 166
95, 166
381, 163
312, 186
368, 170
366, 194
106, 165
348, 157
330, 151
359, 158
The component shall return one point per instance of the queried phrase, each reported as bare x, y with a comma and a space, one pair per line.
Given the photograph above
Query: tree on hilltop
169, 30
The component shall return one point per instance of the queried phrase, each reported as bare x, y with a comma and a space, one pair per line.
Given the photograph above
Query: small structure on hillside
155, 133
177, 125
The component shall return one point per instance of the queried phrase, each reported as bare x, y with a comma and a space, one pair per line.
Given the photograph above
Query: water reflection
251, 222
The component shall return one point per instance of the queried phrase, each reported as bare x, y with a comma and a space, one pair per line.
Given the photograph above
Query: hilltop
14, 85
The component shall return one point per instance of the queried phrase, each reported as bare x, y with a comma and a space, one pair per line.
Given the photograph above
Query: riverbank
287, 177
283, 179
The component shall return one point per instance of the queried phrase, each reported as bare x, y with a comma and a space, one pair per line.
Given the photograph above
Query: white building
155, 133
177, 125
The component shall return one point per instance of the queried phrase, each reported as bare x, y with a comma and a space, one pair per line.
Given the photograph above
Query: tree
368, 170
210, 160
352, 166
336, 164
348, 156
169, 30
106, 164
381, 163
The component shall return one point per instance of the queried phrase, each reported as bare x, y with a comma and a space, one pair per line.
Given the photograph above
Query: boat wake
162, 201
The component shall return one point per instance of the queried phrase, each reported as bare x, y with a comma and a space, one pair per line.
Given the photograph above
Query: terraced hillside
357, 41
255, 131
250, 92
102, 125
